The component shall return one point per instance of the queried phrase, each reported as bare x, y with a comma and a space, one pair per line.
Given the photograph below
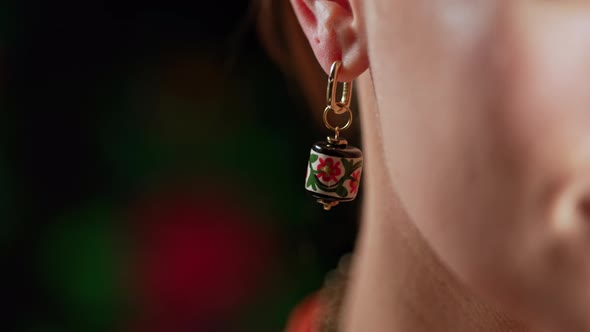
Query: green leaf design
357, 165
313, 158
341, 191
347, 165
311, 180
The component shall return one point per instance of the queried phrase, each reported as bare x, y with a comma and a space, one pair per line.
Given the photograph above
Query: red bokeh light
198, 259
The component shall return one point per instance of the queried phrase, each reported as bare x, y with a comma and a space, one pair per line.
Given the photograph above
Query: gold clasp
343, 105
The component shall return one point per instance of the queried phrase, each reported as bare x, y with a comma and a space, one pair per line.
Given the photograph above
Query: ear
332, 29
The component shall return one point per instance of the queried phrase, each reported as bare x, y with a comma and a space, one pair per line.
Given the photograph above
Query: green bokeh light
82, 261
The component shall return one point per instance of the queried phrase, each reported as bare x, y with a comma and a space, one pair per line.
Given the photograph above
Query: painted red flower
327, 170
354, 182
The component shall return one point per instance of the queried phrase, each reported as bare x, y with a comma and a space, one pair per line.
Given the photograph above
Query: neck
397, 283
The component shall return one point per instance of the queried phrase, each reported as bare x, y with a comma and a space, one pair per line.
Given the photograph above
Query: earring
334, 168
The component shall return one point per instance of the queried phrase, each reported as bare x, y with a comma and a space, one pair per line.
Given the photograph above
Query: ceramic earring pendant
334, 168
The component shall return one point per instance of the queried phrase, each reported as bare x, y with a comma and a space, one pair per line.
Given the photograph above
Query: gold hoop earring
334, 168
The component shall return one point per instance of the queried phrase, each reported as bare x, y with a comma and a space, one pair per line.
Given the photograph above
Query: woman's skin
476, 124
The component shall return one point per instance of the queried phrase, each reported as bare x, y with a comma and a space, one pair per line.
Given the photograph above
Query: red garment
305, 316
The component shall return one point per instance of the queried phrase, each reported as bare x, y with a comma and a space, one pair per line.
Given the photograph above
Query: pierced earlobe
334, 34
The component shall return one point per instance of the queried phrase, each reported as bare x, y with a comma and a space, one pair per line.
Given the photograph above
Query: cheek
545, 132
488, 144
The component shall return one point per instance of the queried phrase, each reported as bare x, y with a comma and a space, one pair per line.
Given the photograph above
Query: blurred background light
152, 163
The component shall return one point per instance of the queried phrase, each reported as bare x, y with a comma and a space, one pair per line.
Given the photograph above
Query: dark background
152, 163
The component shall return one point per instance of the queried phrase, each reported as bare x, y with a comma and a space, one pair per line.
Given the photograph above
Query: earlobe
331, 27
